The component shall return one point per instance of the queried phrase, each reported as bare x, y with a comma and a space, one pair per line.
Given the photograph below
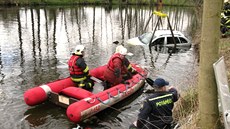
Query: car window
159, 41
170, 40
183, 40
145, 38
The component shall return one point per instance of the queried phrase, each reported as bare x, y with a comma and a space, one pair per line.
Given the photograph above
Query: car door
169, 41
158, 41
185, 42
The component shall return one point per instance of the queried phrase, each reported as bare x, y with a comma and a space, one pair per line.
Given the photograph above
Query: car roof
167, 32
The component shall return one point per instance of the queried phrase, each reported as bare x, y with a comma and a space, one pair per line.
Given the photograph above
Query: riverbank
186, 109
94, 2
225, 51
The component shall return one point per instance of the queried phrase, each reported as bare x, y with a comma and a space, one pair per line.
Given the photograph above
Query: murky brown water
36, 44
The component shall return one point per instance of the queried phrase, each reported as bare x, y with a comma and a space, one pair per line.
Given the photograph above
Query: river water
36, 44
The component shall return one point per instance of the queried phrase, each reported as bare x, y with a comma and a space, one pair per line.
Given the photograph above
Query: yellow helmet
79, 49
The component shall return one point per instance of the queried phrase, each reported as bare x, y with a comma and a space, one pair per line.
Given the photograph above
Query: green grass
186, 109
71, 2
187, 103
178, 2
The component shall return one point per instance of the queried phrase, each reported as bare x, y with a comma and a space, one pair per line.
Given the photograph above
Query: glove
134, 72
117, 72
88, 86
127, 76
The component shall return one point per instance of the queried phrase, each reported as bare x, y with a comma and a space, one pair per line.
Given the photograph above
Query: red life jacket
116, 55
73, 68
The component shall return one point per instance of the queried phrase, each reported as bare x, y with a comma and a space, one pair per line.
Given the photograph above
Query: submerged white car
161, 37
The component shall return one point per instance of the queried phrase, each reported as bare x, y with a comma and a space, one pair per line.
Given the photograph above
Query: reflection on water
45, 115
36, 44
167, 50
170, 50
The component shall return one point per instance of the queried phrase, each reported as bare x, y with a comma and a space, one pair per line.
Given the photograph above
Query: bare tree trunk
210, 35
159, 5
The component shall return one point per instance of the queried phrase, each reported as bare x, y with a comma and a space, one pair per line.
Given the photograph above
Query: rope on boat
112, 95
132, 81
140, 78
119, 91
102, 100
127, 86
90, 99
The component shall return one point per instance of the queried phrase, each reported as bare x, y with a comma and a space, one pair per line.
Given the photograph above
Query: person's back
79, 70
112, 73
157, 109
117, 66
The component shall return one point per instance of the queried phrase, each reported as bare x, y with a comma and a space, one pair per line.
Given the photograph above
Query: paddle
148, 80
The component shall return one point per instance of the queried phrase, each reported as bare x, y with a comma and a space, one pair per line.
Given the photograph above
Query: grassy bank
95, 2
186, 110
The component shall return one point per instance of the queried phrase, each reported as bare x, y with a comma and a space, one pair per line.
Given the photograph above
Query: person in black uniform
78, 69
156, 112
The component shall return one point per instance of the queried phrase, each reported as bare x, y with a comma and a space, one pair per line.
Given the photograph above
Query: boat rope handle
110, 95
136, 81
118, 91
145, 74
92, 101
127, 87
102, 101
140, 78
131, 83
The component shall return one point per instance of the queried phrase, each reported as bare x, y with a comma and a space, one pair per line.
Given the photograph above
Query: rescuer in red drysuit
78, 69
118, 65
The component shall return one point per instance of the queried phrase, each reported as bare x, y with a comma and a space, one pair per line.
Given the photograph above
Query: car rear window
183, 40
170, 40
159, 41
145, 38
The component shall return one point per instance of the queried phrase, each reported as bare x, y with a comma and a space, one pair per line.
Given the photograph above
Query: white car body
161, 37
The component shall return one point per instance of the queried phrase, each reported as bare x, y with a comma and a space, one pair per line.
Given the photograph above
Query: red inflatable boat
81, 103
